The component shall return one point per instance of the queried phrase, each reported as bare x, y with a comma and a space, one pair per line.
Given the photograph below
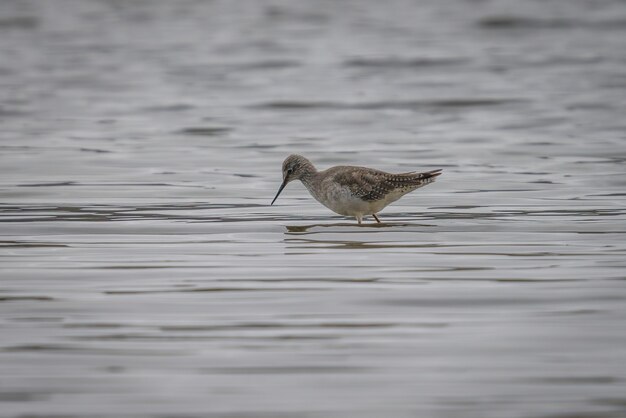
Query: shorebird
352, 191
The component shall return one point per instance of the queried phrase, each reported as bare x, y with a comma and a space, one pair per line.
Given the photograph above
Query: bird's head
294, 168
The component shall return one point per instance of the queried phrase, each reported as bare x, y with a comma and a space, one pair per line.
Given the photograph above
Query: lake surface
144, 274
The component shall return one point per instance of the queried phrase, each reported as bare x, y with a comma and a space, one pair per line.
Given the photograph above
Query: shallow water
144, 273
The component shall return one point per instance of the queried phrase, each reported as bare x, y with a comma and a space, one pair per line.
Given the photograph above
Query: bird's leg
376, 217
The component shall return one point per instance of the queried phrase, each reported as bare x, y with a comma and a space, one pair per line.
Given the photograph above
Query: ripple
403, 63
35, 213
267, 65
30, 244
49, 184
576, 380
331, 369
19, 22
522, 22
206, 131
209, 290
178, 107
74, 349
31, 396
391, 104
25, 298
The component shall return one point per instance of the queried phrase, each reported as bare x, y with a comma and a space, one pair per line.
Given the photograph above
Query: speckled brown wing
371, 185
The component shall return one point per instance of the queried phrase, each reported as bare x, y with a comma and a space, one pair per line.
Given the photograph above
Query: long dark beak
282, 186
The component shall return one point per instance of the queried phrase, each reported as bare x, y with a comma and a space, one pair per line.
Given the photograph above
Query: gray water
144, 274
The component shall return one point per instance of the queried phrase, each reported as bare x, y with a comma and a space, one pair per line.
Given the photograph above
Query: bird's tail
433, 173
422, 179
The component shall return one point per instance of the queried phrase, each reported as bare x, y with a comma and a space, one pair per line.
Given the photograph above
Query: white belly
340, 200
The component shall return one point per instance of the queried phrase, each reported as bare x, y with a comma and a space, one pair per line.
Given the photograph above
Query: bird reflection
342, 235
382, 225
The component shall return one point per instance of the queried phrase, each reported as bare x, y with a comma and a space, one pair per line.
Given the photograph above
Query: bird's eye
289, 170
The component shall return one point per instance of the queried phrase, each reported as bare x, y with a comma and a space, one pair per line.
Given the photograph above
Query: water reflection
345, 226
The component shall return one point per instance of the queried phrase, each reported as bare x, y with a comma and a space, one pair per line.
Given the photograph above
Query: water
145, 275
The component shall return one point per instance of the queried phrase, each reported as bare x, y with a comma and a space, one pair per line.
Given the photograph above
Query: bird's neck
309, 172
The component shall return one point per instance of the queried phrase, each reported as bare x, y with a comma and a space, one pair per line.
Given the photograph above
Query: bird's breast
340, 200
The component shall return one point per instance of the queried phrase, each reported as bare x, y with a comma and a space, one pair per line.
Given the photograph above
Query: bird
351, 190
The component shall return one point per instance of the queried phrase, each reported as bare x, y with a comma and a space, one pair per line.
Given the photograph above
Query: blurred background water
144, 274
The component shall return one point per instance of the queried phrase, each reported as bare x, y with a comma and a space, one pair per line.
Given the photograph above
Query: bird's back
372, 185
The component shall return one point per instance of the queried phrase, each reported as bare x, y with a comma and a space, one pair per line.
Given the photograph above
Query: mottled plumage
371, 185
352, 191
